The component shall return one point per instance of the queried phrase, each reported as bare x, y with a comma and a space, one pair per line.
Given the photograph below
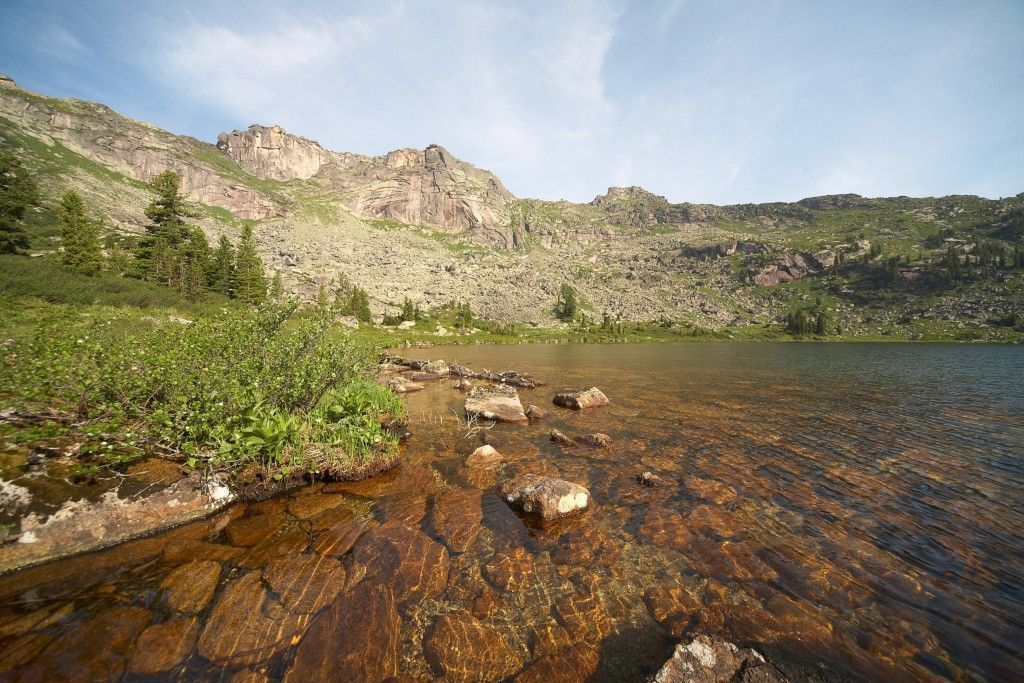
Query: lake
857, 506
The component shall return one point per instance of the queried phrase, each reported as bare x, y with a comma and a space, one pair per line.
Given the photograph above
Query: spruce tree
167, 229
250, 279
567, 304
18, 192
276, 287
359, 305
223, 267
408, 311
79, 236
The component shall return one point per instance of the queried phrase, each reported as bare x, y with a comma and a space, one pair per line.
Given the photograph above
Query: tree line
171, 252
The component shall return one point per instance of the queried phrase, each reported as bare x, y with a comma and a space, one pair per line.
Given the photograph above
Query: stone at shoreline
561, 439
650, 479
707, 659
535, 412
355, 640
403, 385
499, 402
163, 646
578, 400
80, 525
545, 498
463, 649
485, 456
463, 385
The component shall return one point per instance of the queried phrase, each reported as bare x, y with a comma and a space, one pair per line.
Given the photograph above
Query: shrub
267, 386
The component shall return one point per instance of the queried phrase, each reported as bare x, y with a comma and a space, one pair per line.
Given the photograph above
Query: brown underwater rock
190, 587
355, 640
163, 646
305, 583
461, 648
414, 565
245, 627
510, 570
456, 518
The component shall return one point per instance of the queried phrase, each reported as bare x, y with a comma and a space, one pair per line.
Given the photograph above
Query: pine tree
276, 286
18, 192
222, 268
167, 229
79, 236
250, 280
567, 303
463, 316
358, 305
342, 292
408, 310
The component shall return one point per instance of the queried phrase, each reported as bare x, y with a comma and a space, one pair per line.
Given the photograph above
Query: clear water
856, 505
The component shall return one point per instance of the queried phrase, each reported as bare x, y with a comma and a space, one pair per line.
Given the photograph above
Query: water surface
856, 505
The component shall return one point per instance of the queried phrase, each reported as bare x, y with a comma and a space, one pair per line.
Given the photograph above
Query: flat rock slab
410, 562
500, 403
578, 400
79, 526
545, 498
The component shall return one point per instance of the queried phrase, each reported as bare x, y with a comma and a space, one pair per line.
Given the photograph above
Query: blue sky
712, 101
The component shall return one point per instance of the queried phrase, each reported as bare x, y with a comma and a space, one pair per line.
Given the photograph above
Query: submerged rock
485, 456
595, 440
412, 564
461, 648
650, 479
456, 517
578, 400
403, 385
163, 646
706, 659
355, 640
305, 583
499, 402
544, 497
510, 570
190, 587
242, 629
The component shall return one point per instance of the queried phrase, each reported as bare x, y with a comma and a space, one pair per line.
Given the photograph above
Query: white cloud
56, 41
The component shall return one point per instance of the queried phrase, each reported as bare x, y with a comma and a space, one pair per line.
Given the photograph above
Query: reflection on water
860, 505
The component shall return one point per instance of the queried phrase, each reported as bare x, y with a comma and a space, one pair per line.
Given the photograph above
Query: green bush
279, 386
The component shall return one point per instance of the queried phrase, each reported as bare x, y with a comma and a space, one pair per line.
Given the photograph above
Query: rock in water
711, 660
546, 498
485, 456
355, 640
650, 479
578, 400
403, 385
499, 402
535, 413
595, 440
463, 649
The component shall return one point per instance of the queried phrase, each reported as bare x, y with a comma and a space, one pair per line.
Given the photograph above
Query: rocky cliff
419, 187
131, 148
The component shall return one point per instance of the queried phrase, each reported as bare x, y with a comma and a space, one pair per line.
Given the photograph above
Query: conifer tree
18, 192
276, 286
408, 310
568, 303
250, 279
167, 229
359, 305
222, 268
79, 236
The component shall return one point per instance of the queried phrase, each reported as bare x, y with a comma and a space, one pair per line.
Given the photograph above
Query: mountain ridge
426, 225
